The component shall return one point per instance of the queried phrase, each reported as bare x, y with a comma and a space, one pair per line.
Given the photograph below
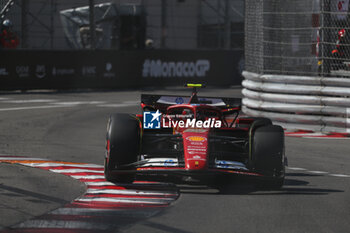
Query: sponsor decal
3, 72
222, 164
22, 71
230, 165
197, 158
197, 143
158, 68
88, 70
191, 148
198, 150
62, 71
151, 120
196, 139
179, 100
194, 151
40, 71
169, 162
160, 162
109, 67
109, 71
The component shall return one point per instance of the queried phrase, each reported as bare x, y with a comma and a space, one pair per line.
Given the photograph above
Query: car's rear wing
161, 102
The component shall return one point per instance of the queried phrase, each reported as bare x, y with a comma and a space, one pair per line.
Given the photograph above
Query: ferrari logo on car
196, 139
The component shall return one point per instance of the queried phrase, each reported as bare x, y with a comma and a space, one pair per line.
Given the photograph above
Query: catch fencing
297, 63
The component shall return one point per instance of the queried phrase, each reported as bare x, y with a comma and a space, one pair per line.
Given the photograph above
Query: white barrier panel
295, 108
304, 80
296, 89
298, 99
311, 103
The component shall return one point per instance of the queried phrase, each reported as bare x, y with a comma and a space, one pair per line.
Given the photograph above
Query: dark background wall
21, 69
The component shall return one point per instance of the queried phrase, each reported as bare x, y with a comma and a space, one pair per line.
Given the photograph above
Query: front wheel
268, 154
122, 147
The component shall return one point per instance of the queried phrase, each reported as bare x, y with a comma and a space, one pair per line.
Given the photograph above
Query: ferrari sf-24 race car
193, 137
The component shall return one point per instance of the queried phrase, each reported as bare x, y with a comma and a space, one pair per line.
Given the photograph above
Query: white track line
340, 175
35, 107
4, 157
332, 138
296, 168
21, 159
79, 102
73, 103
63, 224
100, 183
75, 171
126, 200
58, 164
125, 192
88, 177
307, 134
28, 101
314, 135
103, 212
318, 172
96, 102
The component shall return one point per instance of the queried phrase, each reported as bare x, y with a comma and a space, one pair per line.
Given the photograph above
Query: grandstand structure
171, 24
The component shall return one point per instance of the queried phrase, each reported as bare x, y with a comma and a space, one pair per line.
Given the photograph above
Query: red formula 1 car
193, 137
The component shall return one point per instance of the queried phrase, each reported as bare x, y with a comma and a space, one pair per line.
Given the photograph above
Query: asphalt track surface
70, 126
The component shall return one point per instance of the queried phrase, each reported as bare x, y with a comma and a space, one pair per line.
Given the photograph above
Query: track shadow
248, 186
40, 197
163, 227
238, 185
304, 174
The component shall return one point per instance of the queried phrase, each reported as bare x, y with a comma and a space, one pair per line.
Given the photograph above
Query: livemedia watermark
155, 120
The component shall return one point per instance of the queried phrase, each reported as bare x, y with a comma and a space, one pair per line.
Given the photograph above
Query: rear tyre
268, 155
123, 146
260, 121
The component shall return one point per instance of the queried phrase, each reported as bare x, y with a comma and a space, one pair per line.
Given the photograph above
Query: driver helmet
7, 24
341, 32
149, 43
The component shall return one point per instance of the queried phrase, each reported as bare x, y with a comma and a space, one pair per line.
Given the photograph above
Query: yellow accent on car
193, 85
196, 139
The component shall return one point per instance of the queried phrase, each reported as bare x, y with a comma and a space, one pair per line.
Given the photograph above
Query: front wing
170, 166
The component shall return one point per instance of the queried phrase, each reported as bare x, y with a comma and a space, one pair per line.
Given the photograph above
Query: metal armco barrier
32, 69
299, 102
